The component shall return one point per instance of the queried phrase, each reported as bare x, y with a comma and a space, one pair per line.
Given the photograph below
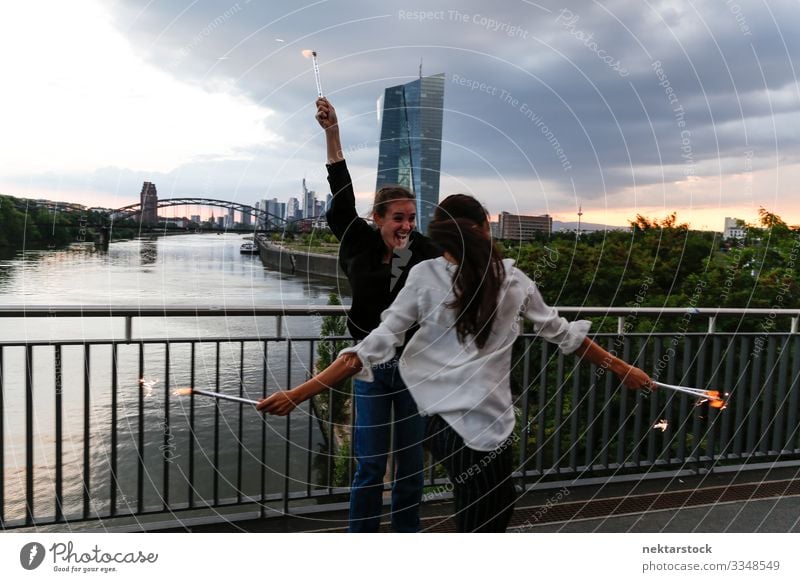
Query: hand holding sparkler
280, 403
326, 114
632, 377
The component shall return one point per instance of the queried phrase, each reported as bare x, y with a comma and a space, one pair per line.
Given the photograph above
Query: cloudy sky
618, 107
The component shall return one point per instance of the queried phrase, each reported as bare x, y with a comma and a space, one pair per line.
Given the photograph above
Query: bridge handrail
129, 312
278, 309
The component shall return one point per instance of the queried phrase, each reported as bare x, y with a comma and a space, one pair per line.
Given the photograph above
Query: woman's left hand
637, 379
280, 403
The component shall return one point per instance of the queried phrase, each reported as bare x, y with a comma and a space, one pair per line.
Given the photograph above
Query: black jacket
361, 250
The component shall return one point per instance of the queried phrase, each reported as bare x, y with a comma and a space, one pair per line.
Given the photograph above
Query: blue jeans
371, 435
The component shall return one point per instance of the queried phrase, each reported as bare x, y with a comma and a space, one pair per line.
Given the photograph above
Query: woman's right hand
326, 114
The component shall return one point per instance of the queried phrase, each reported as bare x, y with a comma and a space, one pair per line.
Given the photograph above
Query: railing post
621, 325
794, 328
128, 328
712, 324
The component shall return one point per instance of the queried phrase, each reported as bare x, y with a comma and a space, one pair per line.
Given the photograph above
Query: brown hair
389, 194
459, 229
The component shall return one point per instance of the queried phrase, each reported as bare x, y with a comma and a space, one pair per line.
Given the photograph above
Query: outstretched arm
282, 403
326, 116
631, 376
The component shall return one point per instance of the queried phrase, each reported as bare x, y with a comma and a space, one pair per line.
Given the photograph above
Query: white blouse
468, 387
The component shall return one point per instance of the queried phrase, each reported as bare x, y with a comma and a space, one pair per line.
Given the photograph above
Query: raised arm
326, 116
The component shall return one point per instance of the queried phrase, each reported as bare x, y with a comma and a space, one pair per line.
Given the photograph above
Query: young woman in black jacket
376, 262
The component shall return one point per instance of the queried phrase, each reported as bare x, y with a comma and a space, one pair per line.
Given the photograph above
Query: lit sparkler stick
309, 54
713, 396
187, 391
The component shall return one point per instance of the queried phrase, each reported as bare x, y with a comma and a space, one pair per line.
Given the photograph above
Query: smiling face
397, 223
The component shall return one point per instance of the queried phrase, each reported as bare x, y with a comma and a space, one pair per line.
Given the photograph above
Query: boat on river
248, 248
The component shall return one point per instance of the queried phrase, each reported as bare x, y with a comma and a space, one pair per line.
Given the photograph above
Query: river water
186, 270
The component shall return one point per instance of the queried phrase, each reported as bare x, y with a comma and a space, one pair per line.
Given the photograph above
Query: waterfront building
522, 227
149, 203
734, 228
410, 151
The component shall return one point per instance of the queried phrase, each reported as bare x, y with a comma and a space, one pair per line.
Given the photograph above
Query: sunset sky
621, 108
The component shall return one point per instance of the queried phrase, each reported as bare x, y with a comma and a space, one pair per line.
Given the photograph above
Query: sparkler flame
308, 53
147, 385
663, 424
711, 396
182, 392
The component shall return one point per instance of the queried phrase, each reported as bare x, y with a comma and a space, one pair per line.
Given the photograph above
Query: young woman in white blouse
468, 304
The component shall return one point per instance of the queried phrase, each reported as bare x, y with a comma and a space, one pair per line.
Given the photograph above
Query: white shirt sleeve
382, 342
546, 320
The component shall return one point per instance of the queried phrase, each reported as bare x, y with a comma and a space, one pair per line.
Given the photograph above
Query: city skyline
551, 107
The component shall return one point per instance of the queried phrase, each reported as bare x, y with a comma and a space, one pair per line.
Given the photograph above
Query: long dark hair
460, 227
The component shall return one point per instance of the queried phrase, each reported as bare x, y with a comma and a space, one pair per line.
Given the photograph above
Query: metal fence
93, 429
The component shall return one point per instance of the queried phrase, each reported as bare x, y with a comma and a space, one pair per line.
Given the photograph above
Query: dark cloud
575, 95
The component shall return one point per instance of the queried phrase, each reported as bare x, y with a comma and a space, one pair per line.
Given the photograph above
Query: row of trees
41, 227
662, 263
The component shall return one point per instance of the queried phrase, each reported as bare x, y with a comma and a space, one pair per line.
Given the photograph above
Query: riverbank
294, 262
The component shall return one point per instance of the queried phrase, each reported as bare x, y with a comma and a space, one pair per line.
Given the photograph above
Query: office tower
308, 201
149, 203
411, 141
246, 218
293, 209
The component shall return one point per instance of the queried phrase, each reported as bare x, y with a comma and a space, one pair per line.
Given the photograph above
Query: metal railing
92, 429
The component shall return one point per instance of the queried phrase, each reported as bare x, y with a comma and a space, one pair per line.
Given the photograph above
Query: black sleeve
341, 216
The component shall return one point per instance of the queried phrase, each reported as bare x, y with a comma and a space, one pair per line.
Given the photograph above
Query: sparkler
713, 396
309, 54
663, 424
187, 391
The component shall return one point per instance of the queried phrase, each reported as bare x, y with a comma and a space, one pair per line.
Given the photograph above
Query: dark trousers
482, 487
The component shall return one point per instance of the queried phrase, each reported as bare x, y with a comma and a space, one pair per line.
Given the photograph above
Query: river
185, 270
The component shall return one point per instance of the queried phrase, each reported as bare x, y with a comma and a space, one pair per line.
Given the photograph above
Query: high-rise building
246, 218
521, 227
411, 141
308, 201
149, 203
293, 209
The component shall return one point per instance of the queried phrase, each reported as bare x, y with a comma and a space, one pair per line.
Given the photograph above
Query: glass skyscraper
410, 151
